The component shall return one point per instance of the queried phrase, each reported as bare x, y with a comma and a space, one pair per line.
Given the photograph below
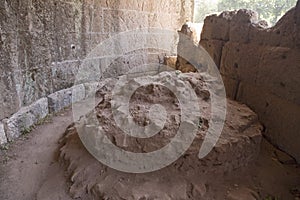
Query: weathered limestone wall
261, 67
42, 42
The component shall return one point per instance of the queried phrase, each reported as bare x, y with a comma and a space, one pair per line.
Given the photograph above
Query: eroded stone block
25, 118
214, 48
278, 72
231, 87
217, 27
283, 126
64, 98
3, 139
78, 93
241, 61
131, 20
63, 74
59, 100
240, 25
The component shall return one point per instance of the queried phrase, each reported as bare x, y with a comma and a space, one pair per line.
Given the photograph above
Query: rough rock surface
187, 39
261, 68
3, 138
43, 42
25, 118
170, 61
242, 193
238, 145
64, 98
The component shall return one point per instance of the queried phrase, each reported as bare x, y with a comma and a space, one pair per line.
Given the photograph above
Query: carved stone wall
43, 42
261, 67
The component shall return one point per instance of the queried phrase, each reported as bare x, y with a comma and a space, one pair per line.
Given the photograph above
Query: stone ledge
63, 98
3, 139
25, 118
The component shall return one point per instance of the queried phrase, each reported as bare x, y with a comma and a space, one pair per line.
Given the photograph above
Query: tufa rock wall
261, 67
43, 42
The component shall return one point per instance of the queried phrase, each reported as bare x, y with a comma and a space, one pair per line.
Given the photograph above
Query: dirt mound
185, 178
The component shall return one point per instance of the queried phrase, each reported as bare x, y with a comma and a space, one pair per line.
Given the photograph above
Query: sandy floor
29, 170
32, 160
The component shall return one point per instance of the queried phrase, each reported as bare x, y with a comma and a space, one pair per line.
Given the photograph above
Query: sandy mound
183, 179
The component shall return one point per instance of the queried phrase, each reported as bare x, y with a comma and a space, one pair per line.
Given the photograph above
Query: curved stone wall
43, 42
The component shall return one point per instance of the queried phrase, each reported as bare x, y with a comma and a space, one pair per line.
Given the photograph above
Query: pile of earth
185, 178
